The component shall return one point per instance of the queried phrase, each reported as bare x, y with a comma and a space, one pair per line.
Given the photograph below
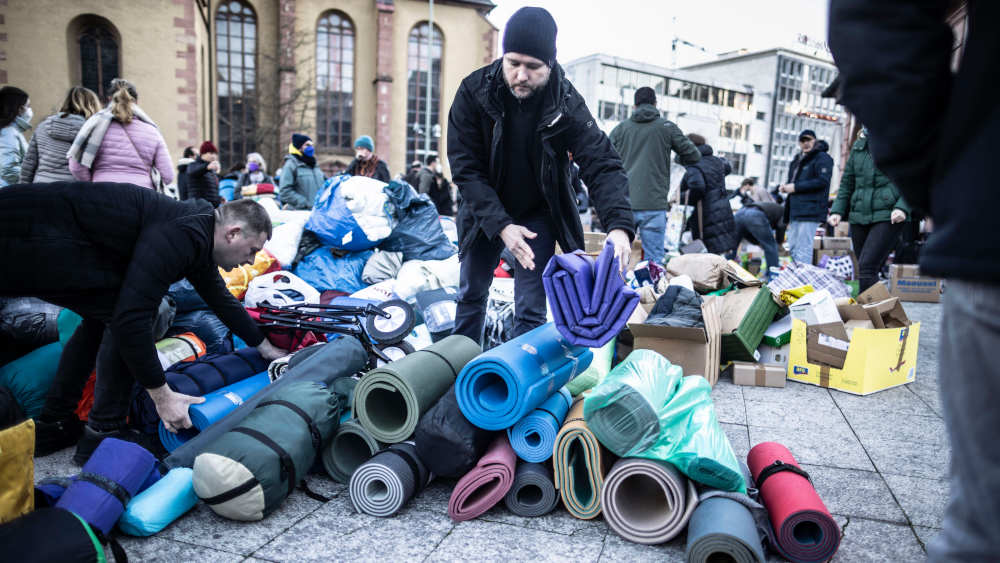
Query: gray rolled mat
722, 529
647, 501
382, 485
533, 492
351, 446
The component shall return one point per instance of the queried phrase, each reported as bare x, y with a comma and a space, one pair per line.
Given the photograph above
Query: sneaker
50, 437
93, 438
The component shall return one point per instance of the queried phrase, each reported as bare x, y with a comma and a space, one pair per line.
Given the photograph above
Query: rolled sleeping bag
503, 384
217, 405
486, 484
447, 442
722, 529
351, 446
48, 491
580, 463
250, 470
647, 501
534, 436
533, 493
389, 401
107, 482
50, 534
340, 359
158, 506
804, 530
384, 484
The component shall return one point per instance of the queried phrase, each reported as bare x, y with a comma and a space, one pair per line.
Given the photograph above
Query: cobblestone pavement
879, 463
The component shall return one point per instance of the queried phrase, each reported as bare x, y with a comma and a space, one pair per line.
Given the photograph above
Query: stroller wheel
395, 328
393, 352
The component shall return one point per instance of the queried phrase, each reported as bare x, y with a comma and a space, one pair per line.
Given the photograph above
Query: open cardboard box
906, 283
696, 350
594, 243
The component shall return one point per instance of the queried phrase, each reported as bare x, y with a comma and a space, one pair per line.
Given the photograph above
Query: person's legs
652, 225
113, 388
873, 251
477, 267
529, 294
800, 239
970, 333
755, 223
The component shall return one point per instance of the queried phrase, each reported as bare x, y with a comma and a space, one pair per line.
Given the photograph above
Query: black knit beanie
531, 31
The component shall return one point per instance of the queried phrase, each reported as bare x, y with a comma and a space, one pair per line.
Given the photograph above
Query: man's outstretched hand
623, 248
515, 239
270, 352
172, 407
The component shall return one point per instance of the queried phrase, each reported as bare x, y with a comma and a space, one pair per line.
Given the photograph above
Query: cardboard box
593, 244
759, 375
774, 355
779, 333
697, 350
837, 243
745, 314
906, 283
815, 308
836, 253
817, 243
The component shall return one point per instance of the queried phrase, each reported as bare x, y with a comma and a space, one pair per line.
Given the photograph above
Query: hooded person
510, 130
704, 185
300, 178
366, 162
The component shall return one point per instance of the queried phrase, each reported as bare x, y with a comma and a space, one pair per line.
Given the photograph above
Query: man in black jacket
109, 252
509, 131
808, 193
932, 133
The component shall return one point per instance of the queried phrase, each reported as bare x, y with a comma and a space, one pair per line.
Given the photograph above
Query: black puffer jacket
705, 181
203, 183
475, 138
811, 176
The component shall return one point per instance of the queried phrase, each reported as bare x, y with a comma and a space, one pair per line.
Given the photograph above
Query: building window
758, 149
737, 160
236, 64
420, 57
98, 57
761, 116
334, 81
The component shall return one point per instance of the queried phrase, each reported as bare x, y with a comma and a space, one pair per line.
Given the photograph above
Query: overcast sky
643, 29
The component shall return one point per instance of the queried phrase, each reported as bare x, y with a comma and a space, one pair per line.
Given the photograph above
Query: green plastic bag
598, 370
646, 408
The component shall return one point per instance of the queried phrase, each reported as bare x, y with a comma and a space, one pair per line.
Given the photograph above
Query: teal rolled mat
722, 529
351, 446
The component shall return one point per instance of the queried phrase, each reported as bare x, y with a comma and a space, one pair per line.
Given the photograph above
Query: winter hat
207, 147
531, 31
807, 133
645, 95
298, 139
365, 142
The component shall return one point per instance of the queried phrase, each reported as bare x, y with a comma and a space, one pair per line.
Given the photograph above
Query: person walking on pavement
869, 201
203, 175
300, 178
366, 162
705, 184
931, 133
644, 142
121, 144
808, 194
433, 183
46, 159
109, 252
15, 119
182, 165
509, 130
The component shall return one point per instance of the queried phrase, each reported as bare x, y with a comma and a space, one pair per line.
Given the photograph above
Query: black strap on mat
777, 467
445, 360
109, 486
317, 438
229, 495
287, 465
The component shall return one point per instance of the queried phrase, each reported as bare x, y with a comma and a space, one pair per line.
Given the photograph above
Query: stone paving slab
923, 500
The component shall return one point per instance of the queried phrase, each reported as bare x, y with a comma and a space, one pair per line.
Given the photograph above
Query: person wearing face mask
15, 119
431, 182
300, 179
808, 193
366, 162
510, 131
46, 159
256, 172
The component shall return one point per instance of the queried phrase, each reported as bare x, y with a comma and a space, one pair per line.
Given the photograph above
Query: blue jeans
752, 224
800, 240
652, 230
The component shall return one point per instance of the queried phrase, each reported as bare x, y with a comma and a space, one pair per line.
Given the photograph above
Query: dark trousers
752, 224
872, 244
477, 265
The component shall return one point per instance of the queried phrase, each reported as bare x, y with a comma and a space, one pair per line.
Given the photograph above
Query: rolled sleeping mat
351, 446
217, 405
580, 463
158, 506
598, 370
250, 470
341, 358
486, 484
534, 436
108, 481
447, 442
50, 534
533, 493
504, 384
804, 530
647, 501
390, 400
278, 367
722, 529
384, 484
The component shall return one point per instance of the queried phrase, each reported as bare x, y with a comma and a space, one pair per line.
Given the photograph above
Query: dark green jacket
644, 143
866, 195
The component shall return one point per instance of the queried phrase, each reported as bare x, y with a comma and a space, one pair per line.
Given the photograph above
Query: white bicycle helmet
278, 289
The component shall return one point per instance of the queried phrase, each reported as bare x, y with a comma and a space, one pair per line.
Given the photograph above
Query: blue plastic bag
324, 271
351, 213
418, 233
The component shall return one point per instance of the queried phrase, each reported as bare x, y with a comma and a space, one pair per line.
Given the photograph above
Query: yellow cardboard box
876, 359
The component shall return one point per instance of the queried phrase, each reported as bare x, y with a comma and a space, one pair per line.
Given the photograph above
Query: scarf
367, 167
91, 135
309, 161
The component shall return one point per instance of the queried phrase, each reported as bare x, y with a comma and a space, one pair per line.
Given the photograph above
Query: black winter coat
203, 183
475, 139
811, 176
932, 131
110, 252
705, 182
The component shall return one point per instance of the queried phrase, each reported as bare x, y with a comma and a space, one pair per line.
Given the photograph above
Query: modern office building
725, 113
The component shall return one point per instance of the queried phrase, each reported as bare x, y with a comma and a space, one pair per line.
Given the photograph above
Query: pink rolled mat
486, 484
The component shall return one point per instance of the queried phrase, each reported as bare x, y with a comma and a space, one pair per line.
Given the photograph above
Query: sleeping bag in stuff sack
206, 326
51, 534
29, 321
17, 470
250, 470
30, 376
325, 270
447, 443
351, 213
157, 507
